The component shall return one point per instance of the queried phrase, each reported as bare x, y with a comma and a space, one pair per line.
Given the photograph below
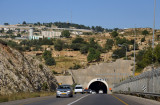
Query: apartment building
51, 34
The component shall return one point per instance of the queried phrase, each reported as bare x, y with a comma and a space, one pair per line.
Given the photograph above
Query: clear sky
105, 13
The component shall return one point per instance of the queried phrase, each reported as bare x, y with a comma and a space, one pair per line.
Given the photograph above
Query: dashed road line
78, 100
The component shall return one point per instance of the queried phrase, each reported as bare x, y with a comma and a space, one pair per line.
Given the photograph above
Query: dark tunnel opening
97, 85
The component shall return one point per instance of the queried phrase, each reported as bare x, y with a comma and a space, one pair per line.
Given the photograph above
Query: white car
100, 91
93, 92
78, 89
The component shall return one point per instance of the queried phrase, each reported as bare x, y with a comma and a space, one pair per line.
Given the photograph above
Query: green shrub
143, 39
119, 52
50, 61
54, 72
58, 45
109, 44
66, 34
114, 34
44, 86
84, 49
47, 54
94, 55
75, 67
145, 32
41, 66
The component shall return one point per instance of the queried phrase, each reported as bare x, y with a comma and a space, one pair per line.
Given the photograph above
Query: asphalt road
86, 99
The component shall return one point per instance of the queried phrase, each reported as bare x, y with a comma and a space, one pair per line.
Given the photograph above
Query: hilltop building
51, 34
32, 37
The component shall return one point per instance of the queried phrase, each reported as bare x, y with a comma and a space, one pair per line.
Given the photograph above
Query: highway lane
105, 99
86, 99
48, 100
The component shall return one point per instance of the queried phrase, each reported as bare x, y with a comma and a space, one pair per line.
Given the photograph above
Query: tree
143, 39
49, 60
145, 58
78, 40
6, 23
2, 30
45, 41
24, 23
120, 52
109, 44
123, 40
116, 29
95, 45
136, 46
94, 55
9, 32
47, 54
114, 34
93, 28
66, 34
145, 32
99, 29
157, 53
84, 49
58, 45
75, 46
38, 23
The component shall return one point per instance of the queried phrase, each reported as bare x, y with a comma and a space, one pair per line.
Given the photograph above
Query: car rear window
78, 88
64, 87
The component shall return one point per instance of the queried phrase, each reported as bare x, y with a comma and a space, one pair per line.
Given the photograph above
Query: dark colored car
87, 91
64, 91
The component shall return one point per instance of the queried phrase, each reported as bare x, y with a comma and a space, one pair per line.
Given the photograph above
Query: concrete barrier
147, 82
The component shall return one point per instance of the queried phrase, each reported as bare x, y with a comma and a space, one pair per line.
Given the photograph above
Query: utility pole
134, 51
154, 24
153, 43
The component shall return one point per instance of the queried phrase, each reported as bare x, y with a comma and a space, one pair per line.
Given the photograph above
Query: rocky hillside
22, 73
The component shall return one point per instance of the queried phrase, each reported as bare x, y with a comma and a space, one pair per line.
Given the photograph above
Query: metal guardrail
155, 96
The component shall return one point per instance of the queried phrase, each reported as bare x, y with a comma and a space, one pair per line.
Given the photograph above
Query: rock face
22, 73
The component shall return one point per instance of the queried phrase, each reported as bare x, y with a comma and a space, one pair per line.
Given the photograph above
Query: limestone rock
23, 73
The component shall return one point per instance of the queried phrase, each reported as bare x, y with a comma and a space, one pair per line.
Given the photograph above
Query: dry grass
64, 63
19, 96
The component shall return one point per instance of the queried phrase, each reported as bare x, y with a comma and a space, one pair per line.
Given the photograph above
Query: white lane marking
78, 100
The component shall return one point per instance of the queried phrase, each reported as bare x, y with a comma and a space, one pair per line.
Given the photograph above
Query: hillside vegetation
75, 52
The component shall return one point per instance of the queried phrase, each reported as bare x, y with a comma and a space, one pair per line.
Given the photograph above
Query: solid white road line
78, 100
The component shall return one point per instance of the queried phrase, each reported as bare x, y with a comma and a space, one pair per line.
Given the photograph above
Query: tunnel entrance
98, 85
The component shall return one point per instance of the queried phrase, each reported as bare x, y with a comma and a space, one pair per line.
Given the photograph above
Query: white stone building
51, 34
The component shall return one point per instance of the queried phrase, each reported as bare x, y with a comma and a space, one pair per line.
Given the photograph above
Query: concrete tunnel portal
98, 84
